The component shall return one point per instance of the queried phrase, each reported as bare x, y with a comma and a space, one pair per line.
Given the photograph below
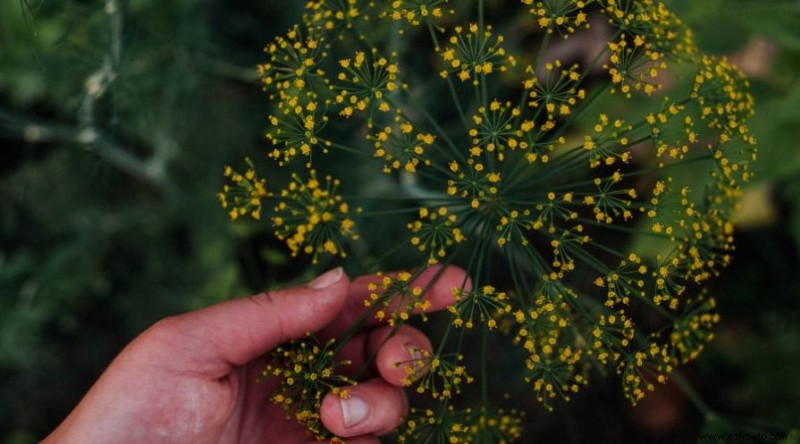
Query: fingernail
417, 363
413, 351
327, 279
354, 410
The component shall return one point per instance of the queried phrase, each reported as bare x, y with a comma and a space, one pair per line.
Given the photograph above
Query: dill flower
244, 194
474, 52
447, 425
395, 298
435, 231
556, 90
401, 147
485, 425
364, 82
483, 305
415, 12
634, 65
331, 15
443, 378
590, 201
310, 217
296, 127
294, 60
563, 16
496, 426
306, 370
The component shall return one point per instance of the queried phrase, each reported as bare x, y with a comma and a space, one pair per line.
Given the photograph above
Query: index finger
437, 284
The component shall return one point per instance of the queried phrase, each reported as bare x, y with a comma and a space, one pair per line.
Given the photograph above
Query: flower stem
449, 81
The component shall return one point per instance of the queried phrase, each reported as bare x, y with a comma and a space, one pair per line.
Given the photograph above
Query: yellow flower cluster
396, 298
401, 147
332, 15
652, 20
307, 370
691, 333
641, 369
589, 202
443, 378
294, 61
415, 12
295, 129
310, 217
564, 16
244, 194
451, 426
720, 89
634, 66
434, 232
365, 82
474, 53
556, 90
484, 305
554, 364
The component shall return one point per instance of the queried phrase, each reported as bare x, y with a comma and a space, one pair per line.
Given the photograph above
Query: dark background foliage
116, 118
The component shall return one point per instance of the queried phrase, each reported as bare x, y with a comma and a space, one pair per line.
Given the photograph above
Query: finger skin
184, 360
213, 340
400, 358
397, 353
388, 405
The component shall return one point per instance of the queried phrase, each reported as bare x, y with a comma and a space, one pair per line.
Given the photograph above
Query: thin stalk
346, 148
484, 369
692, 394
449, 81
586, 105
480, 15
536, 65
381, 213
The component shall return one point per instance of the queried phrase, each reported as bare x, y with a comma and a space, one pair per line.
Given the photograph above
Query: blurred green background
117, 116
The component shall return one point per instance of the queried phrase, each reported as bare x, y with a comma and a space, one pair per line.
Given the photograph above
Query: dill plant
585, 199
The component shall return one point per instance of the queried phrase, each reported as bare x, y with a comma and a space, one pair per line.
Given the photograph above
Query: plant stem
691, 393
450, 86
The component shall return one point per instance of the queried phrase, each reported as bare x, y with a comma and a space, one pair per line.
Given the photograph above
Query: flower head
434, 232
244, 194
589, 202
364, 83
307, 370
416, 12
562, 16
311, 218
474, 53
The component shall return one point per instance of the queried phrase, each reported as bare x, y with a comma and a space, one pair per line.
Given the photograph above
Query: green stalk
449, 81
692, 394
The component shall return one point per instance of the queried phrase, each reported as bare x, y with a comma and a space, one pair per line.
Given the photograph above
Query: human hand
194, 377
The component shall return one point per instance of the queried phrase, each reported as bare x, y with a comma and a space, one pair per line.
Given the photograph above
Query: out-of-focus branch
228, 70
88, 133
98, 83
104, 146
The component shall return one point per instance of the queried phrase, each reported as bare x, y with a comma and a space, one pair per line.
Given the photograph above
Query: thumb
236, 332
